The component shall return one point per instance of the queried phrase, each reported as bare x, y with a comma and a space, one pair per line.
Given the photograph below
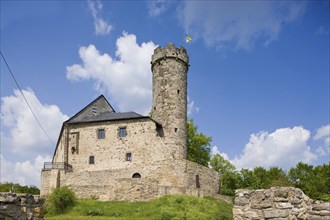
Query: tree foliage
229, 182
229, 179
198, 145
314, 181
278, 177
17, 188
220, 164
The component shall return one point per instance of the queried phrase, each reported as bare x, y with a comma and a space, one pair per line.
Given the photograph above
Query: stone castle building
112, 155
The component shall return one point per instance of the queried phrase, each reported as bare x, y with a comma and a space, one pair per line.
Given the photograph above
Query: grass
164, 208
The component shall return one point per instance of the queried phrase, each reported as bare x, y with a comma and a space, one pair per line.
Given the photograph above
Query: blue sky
258, 81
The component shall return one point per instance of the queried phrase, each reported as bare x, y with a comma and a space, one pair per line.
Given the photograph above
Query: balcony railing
57, 165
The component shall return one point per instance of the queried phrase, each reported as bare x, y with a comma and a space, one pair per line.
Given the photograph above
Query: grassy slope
167, 207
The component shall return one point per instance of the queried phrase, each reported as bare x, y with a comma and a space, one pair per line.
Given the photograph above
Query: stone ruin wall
278, 203
20, 206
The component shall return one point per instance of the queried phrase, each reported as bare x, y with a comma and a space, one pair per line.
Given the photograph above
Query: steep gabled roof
96, 108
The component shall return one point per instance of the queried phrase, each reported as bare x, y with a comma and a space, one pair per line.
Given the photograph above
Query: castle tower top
170, 51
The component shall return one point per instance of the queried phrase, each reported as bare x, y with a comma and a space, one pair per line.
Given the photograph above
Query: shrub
95, 212
179, 200
116, 214
60, 200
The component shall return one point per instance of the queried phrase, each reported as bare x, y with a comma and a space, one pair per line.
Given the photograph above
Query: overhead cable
26, 101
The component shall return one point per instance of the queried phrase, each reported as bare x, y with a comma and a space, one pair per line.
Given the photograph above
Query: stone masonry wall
278, 203
20, 207
169, 96
158, 179
141, 141
148, 159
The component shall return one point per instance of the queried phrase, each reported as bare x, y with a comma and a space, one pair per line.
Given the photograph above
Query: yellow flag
188, 39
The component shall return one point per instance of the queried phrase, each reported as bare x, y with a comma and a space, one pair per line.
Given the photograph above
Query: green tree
322, 182
17, 188
261, 180
229, 178
277, 177
247, 178
198, 145
314, 181
301, 175
230, 181
220, 164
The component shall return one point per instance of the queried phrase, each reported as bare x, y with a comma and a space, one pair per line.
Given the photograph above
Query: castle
112, 155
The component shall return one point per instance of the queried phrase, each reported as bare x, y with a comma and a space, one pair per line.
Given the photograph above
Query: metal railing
57, 165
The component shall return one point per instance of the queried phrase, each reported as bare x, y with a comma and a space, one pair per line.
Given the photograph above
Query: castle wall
59, 154
45, 182
50, 179
160, 178
142, 141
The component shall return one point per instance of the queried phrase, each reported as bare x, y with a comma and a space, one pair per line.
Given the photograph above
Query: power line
34, 115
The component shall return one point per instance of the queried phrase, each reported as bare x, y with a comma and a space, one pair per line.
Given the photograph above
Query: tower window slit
178, 91
198, 184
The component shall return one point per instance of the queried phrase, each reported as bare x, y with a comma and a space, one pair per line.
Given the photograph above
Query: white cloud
284, 148
101, 26
126, 77
322, 31
215, 151
24, 173
237, 24
20, 132
157, 7
191, 107
323, 134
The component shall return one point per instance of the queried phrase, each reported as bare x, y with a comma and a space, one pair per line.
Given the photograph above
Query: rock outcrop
278, 203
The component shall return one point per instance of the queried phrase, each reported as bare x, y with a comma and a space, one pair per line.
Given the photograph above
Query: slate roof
108, 116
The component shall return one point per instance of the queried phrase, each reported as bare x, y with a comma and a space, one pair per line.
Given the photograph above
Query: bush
60, 200
95, 212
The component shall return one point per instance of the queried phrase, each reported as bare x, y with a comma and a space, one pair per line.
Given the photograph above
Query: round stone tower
169, 68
